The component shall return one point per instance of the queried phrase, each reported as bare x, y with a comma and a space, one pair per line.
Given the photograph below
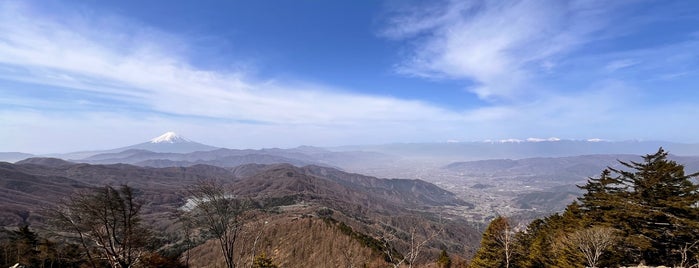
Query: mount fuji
169, 137
169, 142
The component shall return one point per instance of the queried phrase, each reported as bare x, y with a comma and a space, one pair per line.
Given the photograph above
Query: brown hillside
292, 242
373, 208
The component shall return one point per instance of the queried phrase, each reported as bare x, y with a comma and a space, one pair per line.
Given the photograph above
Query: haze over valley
524, 178
431, 134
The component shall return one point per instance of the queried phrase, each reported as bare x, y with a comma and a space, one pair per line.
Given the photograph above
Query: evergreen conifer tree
444, 261
662, 212
493, 252
652, 204
262, 261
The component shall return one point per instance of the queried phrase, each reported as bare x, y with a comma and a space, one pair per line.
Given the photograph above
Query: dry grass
292, 241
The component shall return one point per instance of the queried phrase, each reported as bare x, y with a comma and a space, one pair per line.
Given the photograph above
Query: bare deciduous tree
106, 221
258, 229
415, 247
497, 245
216, 212
592, 242
685, 252
505, 238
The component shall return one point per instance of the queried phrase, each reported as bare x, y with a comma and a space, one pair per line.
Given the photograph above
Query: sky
84, 75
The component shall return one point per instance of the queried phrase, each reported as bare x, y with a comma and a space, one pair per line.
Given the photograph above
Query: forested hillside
56, 213
644, 213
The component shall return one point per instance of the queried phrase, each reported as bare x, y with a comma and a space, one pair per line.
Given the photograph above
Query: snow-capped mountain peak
540, 139
169, 137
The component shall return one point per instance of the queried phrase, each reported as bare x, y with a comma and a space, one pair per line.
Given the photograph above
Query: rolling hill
372, 207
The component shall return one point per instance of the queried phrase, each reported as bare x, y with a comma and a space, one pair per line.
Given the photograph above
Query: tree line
645, 213
103, 227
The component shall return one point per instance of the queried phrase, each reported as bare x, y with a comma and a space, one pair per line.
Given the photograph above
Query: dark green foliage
653, 204
29, 248
444, 261
533, 247
367, 241
271, 202
19, 246
262, 261
494, 247
25, 242
541, 243
325, 213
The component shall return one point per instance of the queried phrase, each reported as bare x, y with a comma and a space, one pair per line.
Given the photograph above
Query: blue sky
77, 75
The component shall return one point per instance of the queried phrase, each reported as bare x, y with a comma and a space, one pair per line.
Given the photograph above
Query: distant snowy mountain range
519, 149
551, 167
537, 140
171, 149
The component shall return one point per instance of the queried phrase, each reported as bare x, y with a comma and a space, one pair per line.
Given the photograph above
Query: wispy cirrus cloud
496, 45
620, 64
61, 75
70, 79
563, 67
139, 70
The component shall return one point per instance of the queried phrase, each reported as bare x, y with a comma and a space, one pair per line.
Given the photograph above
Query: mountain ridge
447, 151
368, 205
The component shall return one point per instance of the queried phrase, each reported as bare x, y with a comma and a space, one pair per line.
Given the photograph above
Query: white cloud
620, 64
156, 89
34, 131
498, 45
146, 73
